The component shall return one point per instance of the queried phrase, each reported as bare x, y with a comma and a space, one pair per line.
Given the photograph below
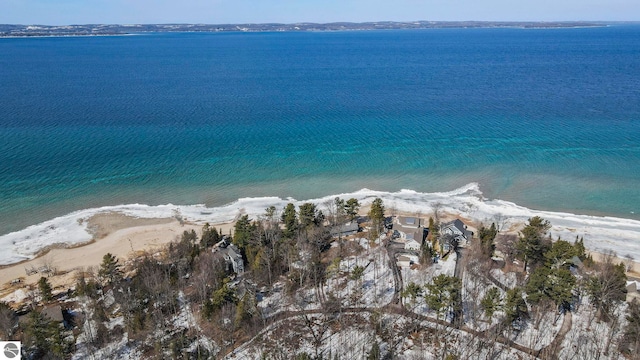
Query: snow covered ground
374, 288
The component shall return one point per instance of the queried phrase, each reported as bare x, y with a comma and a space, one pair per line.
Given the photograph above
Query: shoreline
601, 233
123, 236
127, 237
89, 234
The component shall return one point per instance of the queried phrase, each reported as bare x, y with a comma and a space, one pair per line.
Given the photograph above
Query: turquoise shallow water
549, 119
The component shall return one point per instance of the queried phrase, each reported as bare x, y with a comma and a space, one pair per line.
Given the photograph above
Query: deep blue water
549, 119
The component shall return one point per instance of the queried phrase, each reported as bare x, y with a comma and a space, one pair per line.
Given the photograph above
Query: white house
458, 231
412, 244
406, 260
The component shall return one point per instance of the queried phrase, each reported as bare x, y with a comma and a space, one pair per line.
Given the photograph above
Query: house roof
459, 225
412, 242
345, 228
234, 253
53, 312
411, 221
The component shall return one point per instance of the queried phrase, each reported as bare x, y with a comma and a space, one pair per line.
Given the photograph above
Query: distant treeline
117, 29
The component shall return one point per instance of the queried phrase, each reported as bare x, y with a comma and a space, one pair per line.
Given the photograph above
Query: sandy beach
115, 233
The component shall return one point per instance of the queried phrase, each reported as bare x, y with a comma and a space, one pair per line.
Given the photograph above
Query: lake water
546, 118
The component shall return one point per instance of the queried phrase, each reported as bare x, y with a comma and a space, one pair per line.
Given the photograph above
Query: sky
61, 12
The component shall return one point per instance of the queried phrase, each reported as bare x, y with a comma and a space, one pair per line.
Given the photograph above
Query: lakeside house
406, 260
231, 253
234, 257
53, 313
454, 232
412, 245
350, 228
410, 222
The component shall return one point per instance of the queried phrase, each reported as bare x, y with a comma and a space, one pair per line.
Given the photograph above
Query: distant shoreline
39, 31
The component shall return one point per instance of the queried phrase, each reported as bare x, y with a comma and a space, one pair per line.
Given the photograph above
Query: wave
599, 233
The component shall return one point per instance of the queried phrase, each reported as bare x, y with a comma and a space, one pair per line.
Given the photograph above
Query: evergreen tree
426, 253
290, 220
487, 237
110, 269
374, 353
491, 302
245, 309
223, 295
412, 291
357, 272
434, 232
340, 211
376, 215
351, 208
58, 346
45, 289
532, 243
580, 250
243, 231
607, 287
207, 309
189, 236
38, 332
210, 236
8, 320
308, 215
553, 284
444, 294
560, 255
630, 342
270, 213
515, 308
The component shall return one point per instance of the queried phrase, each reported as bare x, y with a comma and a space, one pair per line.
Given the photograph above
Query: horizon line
346, 22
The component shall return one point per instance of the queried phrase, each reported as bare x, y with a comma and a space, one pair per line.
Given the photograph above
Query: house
454, 233
632, 290
53, 313
350, 228
421, 234
406, 260
410, 222
233, 256
388, 222
412, 244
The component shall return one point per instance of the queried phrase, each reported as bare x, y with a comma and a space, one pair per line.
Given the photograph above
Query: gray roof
234, 251
459, 225
345, 228
53, 312
410, 221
